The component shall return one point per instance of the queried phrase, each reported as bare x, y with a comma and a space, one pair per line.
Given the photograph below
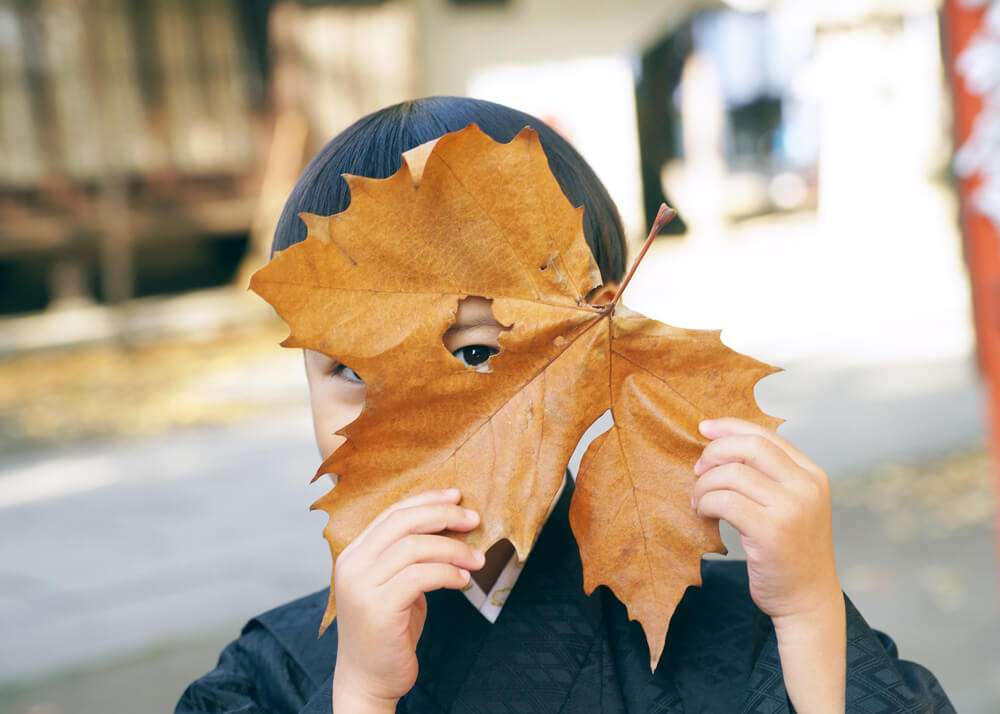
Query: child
426, 624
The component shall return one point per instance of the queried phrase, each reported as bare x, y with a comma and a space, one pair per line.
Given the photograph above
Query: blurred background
836, 168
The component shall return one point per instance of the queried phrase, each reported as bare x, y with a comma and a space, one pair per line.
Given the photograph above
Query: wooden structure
132, 123
122, 122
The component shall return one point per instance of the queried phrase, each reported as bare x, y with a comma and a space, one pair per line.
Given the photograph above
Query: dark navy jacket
554, 649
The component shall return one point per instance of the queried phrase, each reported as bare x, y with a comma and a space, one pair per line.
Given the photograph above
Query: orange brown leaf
378, 285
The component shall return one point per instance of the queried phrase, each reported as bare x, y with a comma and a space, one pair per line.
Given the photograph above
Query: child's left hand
779, 501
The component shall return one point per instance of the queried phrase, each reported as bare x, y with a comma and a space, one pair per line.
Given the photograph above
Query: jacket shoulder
295, 626
277, 664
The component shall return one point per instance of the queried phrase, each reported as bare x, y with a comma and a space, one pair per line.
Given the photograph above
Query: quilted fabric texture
553, 649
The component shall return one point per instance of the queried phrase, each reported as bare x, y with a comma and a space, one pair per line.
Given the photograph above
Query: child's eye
348, 374
474, 355
470, 356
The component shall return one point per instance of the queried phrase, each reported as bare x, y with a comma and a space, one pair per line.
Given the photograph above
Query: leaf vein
662, 380
529, 272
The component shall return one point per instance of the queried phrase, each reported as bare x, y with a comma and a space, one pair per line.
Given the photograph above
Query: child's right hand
380, 580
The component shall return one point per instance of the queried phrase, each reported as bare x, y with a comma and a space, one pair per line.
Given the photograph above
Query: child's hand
779, 501
380, 580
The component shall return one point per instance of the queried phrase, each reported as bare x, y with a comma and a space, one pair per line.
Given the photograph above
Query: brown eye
474, 355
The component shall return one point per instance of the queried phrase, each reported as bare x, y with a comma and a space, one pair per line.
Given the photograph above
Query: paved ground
138, 573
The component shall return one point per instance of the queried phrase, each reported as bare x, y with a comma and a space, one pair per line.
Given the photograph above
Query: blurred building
124, 127
148, 146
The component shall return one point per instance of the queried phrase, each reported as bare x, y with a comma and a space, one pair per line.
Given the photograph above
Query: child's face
337, 395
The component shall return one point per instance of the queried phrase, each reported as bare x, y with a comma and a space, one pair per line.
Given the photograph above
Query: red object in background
960, 23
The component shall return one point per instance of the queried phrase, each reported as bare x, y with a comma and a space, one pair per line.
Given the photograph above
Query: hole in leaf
474, 338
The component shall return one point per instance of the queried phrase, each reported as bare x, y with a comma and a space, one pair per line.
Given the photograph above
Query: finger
750, 449
713, 428
422, 548
742, 479
449, 495
407, 585
745, 515
423, 518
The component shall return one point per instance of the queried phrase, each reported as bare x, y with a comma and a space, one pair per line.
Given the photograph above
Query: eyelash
470, 356
342, 371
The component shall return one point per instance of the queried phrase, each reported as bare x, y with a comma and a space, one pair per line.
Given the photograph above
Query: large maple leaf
377, 286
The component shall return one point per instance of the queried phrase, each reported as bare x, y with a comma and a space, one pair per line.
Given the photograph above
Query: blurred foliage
933, 500
110, 390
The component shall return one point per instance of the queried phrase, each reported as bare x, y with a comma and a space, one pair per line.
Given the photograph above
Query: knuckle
435, 546
409, 548
452, 550
410, 577
455, 576
726, 499
756, 444
435, 513
449, 547
393, 508
734, 469
447, 511
786, 519
721, 478
438, 574
398, 517
811, 492
718, 501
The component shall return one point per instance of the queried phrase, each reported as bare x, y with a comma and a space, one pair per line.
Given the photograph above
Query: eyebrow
481, 321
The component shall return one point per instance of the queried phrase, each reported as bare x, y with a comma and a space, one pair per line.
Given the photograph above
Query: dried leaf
376, 287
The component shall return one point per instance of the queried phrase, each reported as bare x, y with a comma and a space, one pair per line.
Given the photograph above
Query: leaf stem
663, 217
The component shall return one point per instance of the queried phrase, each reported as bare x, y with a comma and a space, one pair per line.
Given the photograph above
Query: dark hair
372, 146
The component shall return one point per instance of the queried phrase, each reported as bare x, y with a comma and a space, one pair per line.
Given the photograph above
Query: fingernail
471, 515
465, 574
452, 492
705, 426
479, 555
697, 464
